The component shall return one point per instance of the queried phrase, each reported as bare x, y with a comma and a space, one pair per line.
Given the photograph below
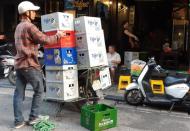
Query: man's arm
40, 38
118, 59
131, 35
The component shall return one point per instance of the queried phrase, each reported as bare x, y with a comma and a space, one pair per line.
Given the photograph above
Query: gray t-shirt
115, 56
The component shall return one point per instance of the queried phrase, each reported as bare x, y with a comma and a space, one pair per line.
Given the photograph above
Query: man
28, 70
132, 39
114, 60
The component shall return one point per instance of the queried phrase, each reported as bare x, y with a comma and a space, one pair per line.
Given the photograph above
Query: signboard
76, 4
81, 6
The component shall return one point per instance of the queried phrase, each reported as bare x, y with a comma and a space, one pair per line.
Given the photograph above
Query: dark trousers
35, 78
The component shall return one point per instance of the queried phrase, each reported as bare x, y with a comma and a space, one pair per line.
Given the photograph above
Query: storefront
9, 16
153, 22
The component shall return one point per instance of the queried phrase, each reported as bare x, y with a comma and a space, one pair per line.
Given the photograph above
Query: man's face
126, 25
31, 14
111, 49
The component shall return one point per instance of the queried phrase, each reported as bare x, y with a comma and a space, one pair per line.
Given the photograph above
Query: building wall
1, 19
8, 17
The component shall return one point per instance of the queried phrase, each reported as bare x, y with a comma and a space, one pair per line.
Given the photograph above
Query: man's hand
136, 38
114, 62
60, 34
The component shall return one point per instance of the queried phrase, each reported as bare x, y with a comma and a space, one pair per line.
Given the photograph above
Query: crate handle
68, 34
107, 114
92, 108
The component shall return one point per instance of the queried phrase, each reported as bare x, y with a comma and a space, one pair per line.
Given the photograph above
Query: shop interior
156, 24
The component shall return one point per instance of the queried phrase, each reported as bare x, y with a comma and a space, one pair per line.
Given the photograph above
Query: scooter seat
7, 56
170, 80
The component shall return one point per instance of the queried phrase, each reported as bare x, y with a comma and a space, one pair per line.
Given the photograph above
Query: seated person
114, 60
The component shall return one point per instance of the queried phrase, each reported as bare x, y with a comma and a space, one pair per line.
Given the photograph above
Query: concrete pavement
129, 118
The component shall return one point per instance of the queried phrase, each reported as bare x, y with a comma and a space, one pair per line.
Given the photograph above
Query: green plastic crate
98, 117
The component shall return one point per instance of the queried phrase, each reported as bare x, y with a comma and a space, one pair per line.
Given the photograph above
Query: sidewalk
69, 120
130, 118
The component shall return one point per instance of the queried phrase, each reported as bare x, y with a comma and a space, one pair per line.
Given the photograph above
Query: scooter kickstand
116, 103
172, 106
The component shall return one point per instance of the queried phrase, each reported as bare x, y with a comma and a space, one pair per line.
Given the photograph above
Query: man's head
27, 9
111, 49
126, 25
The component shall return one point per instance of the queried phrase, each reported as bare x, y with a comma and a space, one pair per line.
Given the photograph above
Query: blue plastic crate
60, 56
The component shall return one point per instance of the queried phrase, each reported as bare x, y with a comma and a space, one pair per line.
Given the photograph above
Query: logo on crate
105, 122
77, 22
94, 24
49, 21
66, 22
98, 56
58, 76
69, 55
55, 90
70, 91
57, 57
91, 23
96, 40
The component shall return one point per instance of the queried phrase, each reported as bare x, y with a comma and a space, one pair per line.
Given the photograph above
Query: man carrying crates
28, 70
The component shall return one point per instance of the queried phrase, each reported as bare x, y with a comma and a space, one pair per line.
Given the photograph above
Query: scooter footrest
114, 98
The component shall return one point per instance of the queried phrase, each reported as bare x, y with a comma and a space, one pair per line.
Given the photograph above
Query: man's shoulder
25, 25
116, 53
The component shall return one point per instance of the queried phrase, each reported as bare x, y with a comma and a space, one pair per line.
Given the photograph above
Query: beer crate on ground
87, 24
91, 58
62, 91
90, 41
98, 117
60, 56
57, 21
68, 41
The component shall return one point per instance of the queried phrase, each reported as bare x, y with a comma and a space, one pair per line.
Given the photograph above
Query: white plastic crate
90, 41
87, 24
61, 76
91, 58
105, 78
130, 56
62, 91
64, 67
57, 21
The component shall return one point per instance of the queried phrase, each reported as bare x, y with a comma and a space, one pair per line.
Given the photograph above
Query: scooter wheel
12, 77
134, 97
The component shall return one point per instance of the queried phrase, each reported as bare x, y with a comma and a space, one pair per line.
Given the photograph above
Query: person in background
28, 70
166, 47
132, 39
2, 37
114, 60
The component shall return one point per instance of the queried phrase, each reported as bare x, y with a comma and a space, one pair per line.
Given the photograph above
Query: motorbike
12, 74
7, 62
171, 90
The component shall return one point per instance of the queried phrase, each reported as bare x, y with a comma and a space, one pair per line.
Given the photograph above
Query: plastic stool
124, 81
